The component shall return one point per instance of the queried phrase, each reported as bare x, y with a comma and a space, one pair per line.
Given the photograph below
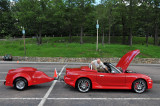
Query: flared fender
24, 75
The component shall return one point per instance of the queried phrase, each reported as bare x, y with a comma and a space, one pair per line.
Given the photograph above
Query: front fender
24, 75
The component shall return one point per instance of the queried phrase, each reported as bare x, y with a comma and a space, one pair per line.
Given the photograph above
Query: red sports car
20, 78
85, 78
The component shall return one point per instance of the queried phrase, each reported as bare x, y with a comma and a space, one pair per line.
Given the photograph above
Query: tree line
126, 18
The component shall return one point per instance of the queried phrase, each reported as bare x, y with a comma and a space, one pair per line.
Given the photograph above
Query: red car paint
122, 80
126, 59
32, 75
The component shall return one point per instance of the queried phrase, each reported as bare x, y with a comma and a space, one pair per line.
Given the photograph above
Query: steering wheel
108, 67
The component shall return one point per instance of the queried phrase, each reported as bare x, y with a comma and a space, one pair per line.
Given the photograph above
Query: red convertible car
20, 78
85, 78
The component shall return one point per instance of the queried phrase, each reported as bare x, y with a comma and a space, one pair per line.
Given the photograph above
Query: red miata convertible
85, 78
20, 78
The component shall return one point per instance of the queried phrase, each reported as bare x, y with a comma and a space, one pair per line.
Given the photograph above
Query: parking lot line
5, 80
50, 89
3, 72
80, 98
103, 98
21, 98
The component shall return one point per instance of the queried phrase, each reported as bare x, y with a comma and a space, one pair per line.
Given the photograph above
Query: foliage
127, 18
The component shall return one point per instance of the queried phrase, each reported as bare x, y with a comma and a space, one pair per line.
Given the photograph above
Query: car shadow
124, 91
112, 90
36, 87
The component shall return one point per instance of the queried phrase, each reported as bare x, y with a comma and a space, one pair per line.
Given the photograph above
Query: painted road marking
5, 80
80, 98
4, 72
49, 91
103, 98
21, 98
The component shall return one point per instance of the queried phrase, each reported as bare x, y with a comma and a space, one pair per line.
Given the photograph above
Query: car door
115, 78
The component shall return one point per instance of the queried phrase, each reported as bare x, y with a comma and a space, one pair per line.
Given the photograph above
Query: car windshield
119, 68
114, 69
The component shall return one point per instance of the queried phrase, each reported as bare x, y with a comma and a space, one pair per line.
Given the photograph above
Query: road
57, 93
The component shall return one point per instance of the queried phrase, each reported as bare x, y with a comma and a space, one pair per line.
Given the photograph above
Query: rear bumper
7, 83
68, 81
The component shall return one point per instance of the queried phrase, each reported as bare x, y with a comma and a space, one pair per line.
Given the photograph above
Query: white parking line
4, 72
49, 91
80, 98
5, 80
21, 98
104, 98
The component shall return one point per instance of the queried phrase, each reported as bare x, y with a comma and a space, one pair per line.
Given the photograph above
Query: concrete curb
70, 63
24, 62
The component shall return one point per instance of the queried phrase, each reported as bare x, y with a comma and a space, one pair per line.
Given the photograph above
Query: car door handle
101, 75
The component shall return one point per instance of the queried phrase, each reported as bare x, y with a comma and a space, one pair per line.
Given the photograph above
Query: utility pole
23, 32
97, 26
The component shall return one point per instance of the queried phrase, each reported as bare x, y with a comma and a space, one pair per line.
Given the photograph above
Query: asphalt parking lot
57, 93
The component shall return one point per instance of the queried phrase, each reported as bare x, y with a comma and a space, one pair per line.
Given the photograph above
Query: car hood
126, 59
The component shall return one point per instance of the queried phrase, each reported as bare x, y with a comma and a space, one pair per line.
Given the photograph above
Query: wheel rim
84, 85
140, 86
20, 84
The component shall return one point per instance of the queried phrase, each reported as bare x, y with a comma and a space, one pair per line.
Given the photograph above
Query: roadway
57, 93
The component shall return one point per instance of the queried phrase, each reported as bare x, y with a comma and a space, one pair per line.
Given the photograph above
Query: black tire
83, 85
139, 86
20, 84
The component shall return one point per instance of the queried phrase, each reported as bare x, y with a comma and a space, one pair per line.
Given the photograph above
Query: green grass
58, 47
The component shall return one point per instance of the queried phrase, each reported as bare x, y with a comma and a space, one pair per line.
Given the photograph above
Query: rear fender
26, 76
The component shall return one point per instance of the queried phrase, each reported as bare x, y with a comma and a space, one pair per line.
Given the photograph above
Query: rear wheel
20, 84
83, 85
139, 86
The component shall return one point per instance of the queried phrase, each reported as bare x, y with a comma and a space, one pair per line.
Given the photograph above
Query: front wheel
139, 86
20, 83
83, 85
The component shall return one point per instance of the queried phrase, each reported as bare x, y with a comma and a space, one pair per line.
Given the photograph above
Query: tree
156, 14
83, 7
101, 15
122, 8
31, 14
7, 21
107, 15
70, 17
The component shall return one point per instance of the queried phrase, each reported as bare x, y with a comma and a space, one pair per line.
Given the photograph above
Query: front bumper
150, 84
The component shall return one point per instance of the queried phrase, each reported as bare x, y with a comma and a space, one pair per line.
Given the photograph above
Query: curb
70, 63
24, 62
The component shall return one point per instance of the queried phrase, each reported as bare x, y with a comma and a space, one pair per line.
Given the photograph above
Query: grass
58, 47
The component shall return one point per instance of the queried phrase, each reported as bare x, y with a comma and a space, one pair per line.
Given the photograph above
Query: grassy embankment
59, 47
